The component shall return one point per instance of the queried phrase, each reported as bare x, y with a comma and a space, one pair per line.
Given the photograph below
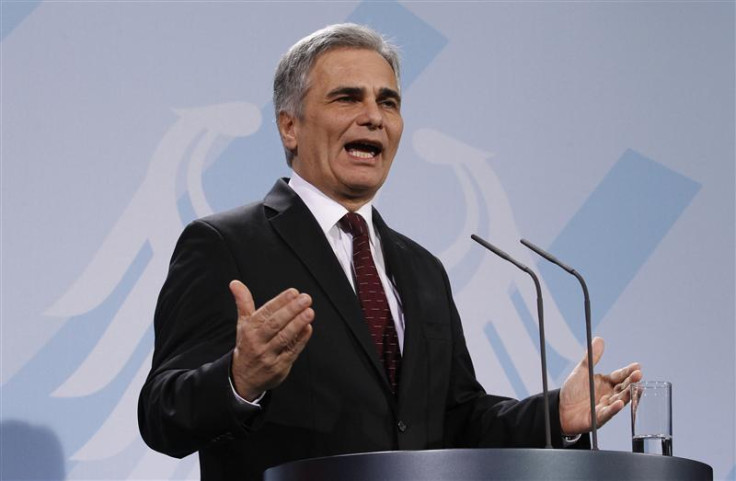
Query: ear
288, 130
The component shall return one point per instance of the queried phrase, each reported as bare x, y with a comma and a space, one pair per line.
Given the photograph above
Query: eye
390, 103
345, 99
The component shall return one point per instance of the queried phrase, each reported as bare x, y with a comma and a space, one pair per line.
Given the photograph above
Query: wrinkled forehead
352, 65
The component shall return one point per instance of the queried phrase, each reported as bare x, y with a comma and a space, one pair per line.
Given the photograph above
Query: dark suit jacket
336, 399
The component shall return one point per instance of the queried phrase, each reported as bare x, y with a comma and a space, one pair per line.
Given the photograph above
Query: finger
622, 390
279, 312
621, 393
605, 400
293, 349
605, 413
598, 347
624, 373
286, 358
243, 299
289, 337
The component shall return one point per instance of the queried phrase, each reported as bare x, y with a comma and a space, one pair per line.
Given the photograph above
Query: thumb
598, 347
243, 299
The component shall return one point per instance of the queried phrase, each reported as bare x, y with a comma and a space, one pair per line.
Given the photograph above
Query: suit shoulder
402, 241
227, 228
414, 247
233, 217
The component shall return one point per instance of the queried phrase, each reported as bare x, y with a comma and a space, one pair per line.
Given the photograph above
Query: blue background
603, 131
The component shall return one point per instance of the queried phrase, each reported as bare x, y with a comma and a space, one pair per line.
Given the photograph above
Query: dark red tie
373, 298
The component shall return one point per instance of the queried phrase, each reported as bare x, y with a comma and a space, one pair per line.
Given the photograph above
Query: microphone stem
540, 314
589, 340
543, 355
588, 332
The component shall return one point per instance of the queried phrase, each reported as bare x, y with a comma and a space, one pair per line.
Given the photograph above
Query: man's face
350, 128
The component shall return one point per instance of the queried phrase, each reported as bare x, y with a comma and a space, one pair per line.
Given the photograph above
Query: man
288, 329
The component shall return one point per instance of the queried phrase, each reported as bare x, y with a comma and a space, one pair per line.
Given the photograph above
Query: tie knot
354, 224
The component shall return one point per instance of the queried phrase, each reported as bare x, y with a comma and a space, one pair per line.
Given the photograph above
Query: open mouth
363, 149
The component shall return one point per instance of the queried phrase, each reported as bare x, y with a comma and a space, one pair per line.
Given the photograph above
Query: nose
371, 115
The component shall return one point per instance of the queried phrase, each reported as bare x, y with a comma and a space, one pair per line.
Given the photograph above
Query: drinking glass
651, 417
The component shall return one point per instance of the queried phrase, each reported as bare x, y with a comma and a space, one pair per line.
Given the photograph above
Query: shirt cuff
567, 441
256, 403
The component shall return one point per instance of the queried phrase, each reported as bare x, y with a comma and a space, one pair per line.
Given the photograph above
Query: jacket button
401, 426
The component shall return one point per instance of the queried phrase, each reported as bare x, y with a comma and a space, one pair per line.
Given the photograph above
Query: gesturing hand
269, 339
611, 393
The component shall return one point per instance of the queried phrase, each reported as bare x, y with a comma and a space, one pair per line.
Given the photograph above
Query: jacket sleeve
187, 401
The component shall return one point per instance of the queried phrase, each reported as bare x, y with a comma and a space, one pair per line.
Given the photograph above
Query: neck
351, 203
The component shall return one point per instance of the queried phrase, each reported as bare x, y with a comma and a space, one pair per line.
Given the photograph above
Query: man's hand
611, 393
269, 339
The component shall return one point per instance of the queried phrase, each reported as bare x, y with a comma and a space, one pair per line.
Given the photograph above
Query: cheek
396, 131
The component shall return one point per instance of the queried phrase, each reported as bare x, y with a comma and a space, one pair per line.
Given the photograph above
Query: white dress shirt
328, 213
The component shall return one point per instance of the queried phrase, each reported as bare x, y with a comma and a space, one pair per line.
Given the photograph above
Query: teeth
361, 154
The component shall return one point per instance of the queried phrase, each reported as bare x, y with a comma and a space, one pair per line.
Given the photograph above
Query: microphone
588, 330
540, 315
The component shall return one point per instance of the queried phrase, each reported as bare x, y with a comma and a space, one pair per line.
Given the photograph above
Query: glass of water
651, 417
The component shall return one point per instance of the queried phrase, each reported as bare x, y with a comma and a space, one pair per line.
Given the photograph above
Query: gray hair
290, 83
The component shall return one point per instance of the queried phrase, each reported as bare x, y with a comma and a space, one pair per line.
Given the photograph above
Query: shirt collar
325, 210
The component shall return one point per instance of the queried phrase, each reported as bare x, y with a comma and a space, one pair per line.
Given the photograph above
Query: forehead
351, 67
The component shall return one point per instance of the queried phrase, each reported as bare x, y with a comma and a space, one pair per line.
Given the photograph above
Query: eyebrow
350, 91
387, 93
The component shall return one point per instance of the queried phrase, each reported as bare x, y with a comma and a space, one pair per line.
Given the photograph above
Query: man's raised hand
611, 393
268, 339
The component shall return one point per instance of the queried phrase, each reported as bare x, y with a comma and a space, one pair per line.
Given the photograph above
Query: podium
492, 465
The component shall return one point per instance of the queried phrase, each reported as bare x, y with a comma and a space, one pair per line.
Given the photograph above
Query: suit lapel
295, 224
